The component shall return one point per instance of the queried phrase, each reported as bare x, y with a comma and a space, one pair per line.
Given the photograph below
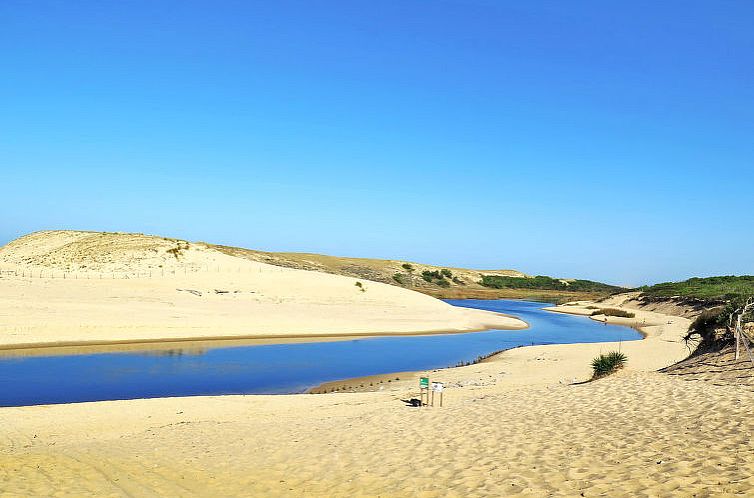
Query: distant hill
543, 283
66, 287
717, 289
122, 252
429, 279
437, 281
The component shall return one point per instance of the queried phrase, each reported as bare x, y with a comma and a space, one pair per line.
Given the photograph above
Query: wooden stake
738, 331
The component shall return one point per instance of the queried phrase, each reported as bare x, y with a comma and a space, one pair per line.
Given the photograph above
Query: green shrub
724, 288
614, 312
446, 273
432, 275
712, 320
606, 364
400, 278
458, 281
547, 283
436, 277
360, 286
408, 266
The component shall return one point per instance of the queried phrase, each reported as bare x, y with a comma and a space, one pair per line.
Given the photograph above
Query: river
279, 368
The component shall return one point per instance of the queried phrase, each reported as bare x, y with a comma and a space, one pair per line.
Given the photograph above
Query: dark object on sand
412, 402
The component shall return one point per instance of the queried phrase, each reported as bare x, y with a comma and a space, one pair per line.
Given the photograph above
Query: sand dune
515, 425
83, 287
378, 270
519, 424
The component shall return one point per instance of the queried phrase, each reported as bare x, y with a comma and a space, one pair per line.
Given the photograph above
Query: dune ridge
66, 287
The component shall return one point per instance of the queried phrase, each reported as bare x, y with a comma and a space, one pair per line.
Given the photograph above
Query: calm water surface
280, 368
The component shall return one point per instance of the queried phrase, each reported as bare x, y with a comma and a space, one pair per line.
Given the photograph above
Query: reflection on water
188, 351
278, 368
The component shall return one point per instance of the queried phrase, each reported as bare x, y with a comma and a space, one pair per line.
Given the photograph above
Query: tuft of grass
177, 251
606, 364
400, 278
614, 312
360, 286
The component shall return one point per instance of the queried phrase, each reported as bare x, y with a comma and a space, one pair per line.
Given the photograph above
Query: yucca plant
605, 364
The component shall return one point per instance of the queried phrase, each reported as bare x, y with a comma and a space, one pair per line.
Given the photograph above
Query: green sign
424, 382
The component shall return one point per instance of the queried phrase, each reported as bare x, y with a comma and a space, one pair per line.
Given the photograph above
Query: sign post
437, 387
424, 390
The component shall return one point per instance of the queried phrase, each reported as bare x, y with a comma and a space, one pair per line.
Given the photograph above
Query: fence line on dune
85, 274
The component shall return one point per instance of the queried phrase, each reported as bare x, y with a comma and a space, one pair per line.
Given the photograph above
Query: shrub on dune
614, 312
606, 364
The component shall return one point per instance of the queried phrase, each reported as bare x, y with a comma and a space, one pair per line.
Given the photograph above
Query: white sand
511, 426
515, 425
81, 287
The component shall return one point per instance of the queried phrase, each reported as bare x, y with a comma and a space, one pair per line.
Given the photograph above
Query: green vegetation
408, 266
446, 273
548, 283
436, 277
614, 312
400, 278
428, 275
709, 289
705, 324
713, 326
360, 286
722, 296
606, 364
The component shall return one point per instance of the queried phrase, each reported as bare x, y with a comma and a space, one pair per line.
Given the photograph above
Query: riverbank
513, 425
207, 369
486, 321
661, 350
262, 304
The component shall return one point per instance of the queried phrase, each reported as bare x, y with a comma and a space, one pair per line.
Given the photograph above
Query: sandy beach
514, 425
455, 249
74, 288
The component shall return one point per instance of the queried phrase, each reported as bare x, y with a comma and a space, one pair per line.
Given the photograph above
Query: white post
739, 325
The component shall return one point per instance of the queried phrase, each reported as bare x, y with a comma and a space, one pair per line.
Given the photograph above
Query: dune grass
606, 364
613, 312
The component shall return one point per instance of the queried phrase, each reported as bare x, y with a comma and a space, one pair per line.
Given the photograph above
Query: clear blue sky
591, 139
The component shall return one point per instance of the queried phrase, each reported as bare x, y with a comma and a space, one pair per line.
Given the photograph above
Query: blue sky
602, 140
